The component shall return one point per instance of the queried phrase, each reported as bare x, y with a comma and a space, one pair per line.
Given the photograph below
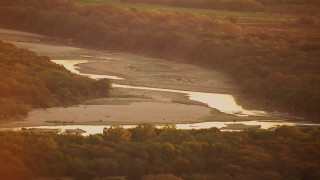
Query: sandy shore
154, 107
151, 72
135, 113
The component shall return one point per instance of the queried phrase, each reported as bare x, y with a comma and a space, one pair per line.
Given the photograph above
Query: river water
96, 129
70, 65
223, 102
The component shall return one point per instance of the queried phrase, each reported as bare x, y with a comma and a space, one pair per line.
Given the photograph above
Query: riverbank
135, 107
129, 106
158, 73
135, 70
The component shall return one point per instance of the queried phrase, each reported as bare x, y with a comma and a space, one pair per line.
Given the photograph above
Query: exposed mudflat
127, 106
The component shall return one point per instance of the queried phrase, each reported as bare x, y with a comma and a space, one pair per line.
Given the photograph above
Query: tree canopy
286, 153
30, 81
278, 68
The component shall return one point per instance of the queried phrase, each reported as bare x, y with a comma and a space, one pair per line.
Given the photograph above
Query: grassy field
242, 17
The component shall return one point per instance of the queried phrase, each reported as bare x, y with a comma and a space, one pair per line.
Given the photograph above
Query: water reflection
96, 129
70, 65
222, 102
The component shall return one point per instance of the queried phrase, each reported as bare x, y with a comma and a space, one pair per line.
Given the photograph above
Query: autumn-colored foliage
282, 69
286, 153
233, 5
29, 81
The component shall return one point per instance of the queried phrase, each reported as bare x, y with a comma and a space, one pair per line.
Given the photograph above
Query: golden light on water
70, 65
223, 102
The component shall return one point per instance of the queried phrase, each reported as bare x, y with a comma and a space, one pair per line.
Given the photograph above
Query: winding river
223, 102
96, 129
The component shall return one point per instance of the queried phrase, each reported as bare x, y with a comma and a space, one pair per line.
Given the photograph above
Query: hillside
30, 81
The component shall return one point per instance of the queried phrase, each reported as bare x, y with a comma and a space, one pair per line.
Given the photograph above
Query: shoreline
138, 71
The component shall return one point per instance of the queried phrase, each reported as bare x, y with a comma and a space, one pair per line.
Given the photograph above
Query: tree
142, 132
117, 133
161, 177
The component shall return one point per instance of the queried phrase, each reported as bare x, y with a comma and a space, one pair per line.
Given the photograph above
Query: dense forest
30, 81
233, 5
295, 2
281, 68
148, 153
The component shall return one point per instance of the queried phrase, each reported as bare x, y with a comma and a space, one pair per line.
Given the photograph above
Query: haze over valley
126, 89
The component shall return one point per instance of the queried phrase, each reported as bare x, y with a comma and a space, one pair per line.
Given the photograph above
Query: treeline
279, 68
148, 153
290, 2
29, 81
231, 5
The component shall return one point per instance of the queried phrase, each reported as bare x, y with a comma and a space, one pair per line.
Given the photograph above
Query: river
96, 129
223, 102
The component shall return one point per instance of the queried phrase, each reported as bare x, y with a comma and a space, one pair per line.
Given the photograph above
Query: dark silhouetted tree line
291, 2
29, 81
231, 5
146, 152
279, 68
